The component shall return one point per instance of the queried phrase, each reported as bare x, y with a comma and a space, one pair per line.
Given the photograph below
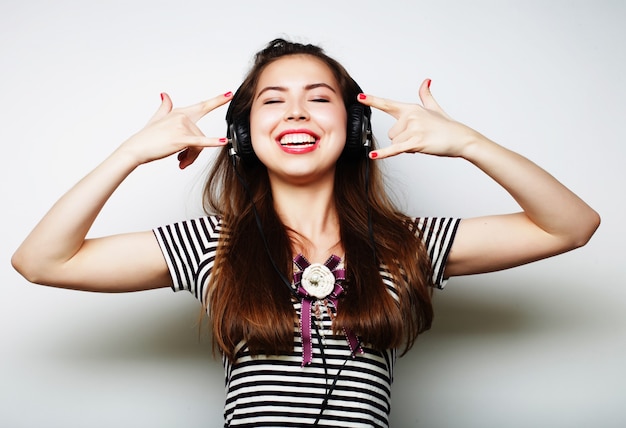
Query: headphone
358, 135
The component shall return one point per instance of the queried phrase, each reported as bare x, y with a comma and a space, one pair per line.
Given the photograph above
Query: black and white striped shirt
276, 391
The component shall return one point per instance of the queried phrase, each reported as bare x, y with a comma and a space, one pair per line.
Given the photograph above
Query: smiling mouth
299, 140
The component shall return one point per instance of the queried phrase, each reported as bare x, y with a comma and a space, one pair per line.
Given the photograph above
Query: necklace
316, 285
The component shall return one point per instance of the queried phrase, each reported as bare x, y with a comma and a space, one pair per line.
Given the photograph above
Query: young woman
311, 278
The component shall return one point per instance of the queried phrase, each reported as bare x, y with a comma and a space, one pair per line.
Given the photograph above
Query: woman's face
298, 119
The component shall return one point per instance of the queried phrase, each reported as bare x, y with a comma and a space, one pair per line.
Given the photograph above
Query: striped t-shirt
335, 389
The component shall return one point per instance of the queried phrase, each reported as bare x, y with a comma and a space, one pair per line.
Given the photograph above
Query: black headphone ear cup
241, 141
359, 132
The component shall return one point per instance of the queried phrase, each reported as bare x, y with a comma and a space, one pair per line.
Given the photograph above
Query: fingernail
373, 155
429, 82
223, 140
228, 94
162, 96
362, 96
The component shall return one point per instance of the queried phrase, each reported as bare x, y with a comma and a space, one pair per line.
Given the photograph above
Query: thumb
428, 101
164, 108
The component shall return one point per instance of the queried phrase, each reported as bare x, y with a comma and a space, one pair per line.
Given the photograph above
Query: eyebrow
307, 87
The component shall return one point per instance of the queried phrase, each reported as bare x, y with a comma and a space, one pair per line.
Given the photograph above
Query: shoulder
209, 225
201, 232
428, 228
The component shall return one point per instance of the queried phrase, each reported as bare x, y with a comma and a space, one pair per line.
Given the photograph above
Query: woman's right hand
174, 130
57, 252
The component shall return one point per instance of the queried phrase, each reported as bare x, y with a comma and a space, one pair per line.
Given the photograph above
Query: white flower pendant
318, 280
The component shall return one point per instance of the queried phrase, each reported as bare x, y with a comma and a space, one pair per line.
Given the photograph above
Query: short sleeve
189, 249
438, 234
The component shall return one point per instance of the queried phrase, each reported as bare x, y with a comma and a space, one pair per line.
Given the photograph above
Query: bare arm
553, 219
57, 252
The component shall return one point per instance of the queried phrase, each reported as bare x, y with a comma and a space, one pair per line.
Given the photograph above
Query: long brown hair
249, 302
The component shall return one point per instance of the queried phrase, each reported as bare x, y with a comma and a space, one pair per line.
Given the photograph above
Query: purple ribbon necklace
316, 285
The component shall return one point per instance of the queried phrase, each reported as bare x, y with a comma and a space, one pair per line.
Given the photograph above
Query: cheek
260, 126
335, 123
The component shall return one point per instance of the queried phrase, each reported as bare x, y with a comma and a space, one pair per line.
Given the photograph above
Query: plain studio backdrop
542, 345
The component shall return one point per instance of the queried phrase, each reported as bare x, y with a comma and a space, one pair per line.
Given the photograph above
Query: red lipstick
297, 141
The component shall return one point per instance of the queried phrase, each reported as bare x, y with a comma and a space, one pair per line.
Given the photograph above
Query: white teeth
297, 139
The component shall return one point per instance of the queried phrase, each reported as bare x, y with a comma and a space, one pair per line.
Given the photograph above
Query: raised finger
164, 108
391, 150
197, 111
428, 101
391, 107
188, 156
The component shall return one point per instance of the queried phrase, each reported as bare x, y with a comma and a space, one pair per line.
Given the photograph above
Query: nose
296, 111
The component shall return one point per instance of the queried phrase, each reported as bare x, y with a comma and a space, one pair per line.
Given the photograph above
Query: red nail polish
223, 140
429, 82
373, 155
162, 96
362, 96
228, 94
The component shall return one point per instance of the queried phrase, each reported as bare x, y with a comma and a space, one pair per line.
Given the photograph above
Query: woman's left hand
554, 219
422, 128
